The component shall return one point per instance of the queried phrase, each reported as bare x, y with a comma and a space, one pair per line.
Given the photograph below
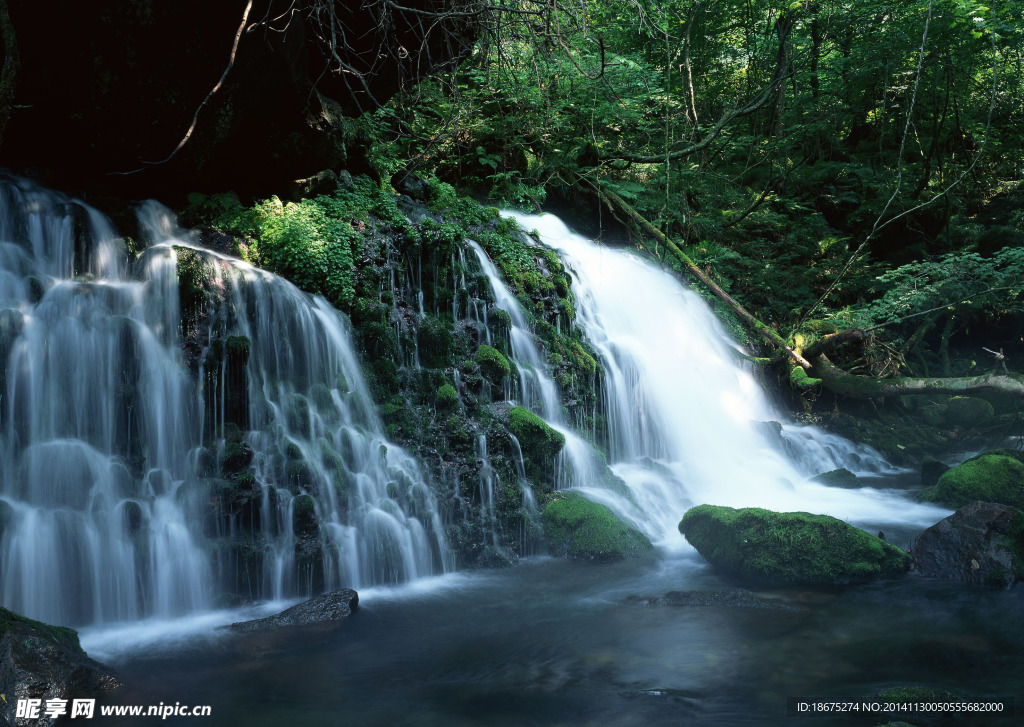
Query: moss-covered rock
578, 528
539, 444
436, 343
447, 398
493, 364
533, 433
990, 477
68, 638
841, 477
304, 520
968, 411
769, 548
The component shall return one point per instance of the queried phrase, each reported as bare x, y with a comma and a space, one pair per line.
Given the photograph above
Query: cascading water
116, 417
684, 420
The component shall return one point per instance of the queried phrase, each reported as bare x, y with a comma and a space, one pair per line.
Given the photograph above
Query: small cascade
685, 424
98, 418
578, 465
182, 426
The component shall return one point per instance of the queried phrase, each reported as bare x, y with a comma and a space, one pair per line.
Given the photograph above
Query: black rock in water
38, 661
330, 608
972, 545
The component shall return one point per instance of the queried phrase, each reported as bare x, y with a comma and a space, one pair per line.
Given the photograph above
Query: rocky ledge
39, 661
330, 608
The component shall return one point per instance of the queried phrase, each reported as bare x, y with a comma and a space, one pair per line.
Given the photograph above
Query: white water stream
684, 417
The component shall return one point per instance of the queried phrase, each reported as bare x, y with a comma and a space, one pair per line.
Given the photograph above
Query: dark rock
789, 548
235, 457
323, 182
931, 471
38, 661
973, 545
131, 511
734, 598
410, 184
841, 477
328, 609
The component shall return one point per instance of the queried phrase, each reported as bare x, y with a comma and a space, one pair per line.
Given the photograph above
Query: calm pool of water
555, 642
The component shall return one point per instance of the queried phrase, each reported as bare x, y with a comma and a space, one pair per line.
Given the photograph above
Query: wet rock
768, 548
38, 661
131, 512
734, 598
323, 182
327, 609
976, 544
235, 457
841, 477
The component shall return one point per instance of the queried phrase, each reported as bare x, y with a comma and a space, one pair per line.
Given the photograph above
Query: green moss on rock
578, 528
493, 365
535, 437
436, 343
769, 548
447, 397
68, 638
990, 477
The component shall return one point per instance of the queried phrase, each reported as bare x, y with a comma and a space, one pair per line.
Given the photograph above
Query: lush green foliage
872, 136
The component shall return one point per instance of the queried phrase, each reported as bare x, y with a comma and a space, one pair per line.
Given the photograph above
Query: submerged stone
576, 527
734, 598
990, 477
328, 609
769, 548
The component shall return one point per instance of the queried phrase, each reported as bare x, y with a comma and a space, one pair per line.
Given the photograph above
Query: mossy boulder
493, 364
990, 477
968, 411
447, 398
304, 520
539, 444
534, 434
766, 548
44, 662
576, 527
841, 477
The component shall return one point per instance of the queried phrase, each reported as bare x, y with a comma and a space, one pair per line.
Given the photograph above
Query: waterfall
685, 421
164, 445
